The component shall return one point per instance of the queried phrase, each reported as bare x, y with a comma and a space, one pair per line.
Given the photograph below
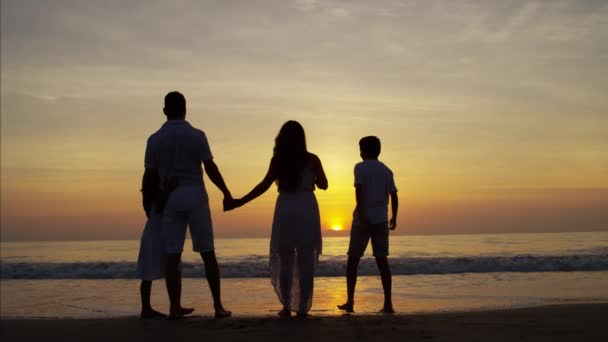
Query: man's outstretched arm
216, 177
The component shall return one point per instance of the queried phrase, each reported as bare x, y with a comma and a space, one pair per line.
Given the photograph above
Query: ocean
431, 273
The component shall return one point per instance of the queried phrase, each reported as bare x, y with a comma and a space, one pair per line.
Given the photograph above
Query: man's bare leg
174, 286
212, 272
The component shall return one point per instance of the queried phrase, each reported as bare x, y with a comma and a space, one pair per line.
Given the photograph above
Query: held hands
231, 203
227, 200
392, 224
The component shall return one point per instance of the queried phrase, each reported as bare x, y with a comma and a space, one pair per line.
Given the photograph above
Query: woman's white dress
295, 244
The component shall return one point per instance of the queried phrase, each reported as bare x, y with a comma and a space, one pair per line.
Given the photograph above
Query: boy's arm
395, 208
359, 197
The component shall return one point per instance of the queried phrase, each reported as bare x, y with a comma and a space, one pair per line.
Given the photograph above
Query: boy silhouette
374, 184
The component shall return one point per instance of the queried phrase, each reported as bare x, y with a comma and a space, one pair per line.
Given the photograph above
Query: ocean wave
257, 267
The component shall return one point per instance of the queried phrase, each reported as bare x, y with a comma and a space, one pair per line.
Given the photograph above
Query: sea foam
256, 266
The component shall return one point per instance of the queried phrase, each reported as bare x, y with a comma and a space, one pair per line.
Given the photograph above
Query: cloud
306, 5
491, 93
339, 12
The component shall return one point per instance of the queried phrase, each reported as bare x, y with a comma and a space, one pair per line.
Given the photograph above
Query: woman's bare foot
285, 313
387, 309
348, 307
151, 314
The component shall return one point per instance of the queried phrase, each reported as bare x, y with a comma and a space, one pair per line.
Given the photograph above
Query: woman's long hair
290, 155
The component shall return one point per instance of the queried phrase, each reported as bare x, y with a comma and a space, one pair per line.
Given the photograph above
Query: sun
337, 227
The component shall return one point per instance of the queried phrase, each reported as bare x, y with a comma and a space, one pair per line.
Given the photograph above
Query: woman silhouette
295, 243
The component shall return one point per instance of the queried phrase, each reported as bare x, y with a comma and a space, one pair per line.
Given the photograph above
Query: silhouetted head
369, 147
290, 155
175, 106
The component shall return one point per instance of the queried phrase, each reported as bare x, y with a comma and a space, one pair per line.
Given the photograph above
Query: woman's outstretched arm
260, 188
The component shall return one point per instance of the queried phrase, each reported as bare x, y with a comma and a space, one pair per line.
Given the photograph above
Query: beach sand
573, 322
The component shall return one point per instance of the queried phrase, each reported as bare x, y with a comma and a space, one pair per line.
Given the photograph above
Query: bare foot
285, 313
387, 309
302, 315
187, 311
175, 317
348, 307
175, 314
151, 314
220, 312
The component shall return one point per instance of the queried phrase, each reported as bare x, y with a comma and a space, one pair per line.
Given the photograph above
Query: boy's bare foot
152, 314
285, 313
187, 311
302, 315
387, 309
348, 307
220, 312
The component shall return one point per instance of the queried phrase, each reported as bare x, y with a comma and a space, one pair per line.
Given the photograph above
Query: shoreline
105, 299
559, 322
322, 314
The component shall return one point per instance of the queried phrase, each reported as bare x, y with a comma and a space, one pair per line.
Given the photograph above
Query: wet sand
573, 322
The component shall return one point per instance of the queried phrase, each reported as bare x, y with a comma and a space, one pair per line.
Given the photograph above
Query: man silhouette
173, 158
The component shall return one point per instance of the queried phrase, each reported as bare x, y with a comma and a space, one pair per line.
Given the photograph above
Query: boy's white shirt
377, 182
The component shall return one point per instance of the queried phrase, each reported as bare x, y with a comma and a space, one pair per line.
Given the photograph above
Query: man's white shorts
187, 206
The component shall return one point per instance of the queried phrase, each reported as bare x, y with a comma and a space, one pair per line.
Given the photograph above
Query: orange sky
493, 115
